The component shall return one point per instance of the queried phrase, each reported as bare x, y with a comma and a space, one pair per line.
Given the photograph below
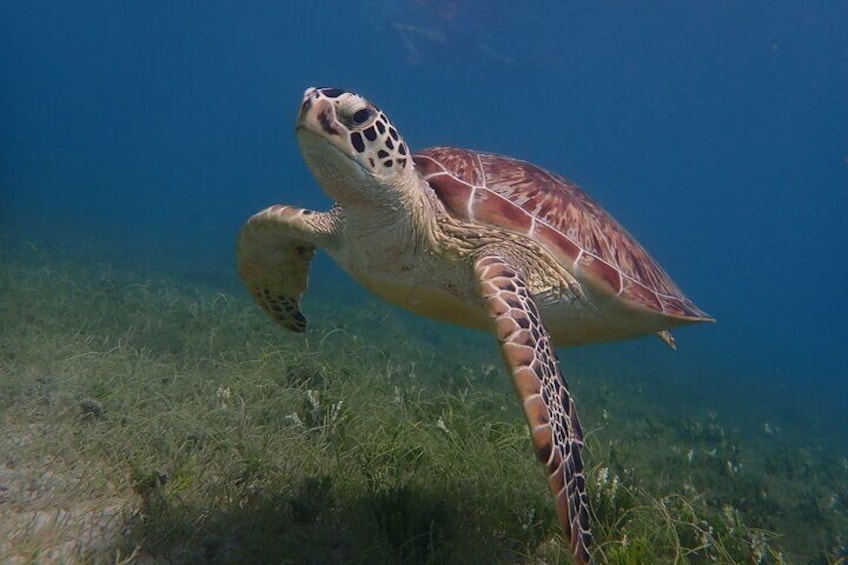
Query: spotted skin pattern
274, 262
463, 219
542, 391
368, 130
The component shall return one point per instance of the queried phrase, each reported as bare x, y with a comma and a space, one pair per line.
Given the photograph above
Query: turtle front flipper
274, 250
544, 395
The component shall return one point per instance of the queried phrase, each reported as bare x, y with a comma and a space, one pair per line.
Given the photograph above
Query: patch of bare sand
50, 513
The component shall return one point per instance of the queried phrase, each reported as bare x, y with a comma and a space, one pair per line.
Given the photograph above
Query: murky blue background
716, 132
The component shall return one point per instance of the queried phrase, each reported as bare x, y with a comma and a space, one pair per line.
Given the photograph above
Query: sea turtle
474, 239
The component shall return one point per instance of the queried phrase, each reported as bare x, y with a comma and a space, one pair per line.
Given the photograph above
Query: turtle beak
312, 95
309, 97
318, 114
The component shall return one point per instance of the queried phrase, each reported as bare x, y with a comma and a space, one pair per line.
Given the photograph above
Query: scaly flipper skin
542, 391
408, 226
274, 252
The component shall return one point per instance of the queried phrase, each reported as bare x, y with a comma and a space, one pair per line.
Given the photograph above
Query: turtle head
351, 147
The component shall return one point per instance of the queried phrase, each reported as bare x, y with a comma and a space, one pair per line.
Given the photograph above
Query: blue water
716, 132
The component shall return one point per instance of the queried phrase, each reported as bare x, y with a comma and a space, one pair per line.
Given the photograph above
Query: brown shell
526, 199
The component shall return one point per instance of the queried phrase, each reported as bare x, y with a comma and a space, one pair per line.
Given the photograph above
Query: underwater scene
156, 408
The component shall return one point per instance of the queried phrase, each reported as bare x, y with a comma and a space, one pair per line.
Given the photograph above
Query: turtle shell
520, 197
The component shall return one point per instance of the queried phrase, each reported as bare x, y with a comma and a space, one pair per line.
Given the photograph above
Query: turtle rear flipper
274, 250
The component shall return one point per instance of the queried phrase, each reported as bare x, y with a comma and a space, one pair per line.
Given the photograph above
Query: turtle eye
331, 92
361, 116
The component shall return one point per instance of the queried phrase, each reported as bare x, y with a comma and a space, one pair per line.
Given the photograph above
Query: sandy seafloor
766, 462
135, 139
